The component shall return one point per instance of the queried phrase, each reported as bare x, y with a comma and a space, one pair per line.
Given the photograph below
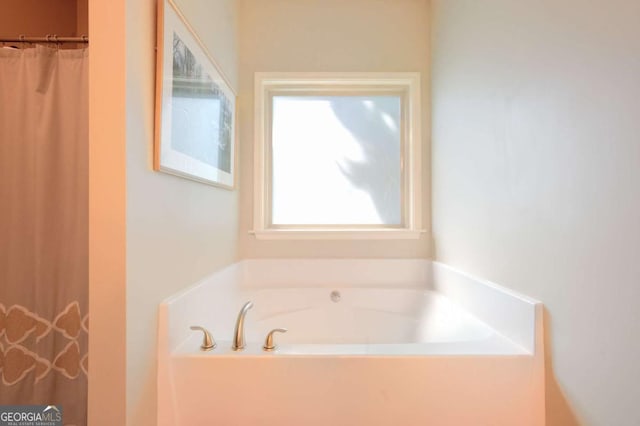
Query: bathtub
369, 343
366, 321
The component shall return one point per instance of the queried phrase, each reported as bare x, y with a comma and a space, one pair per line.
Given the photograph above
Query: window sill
338, 234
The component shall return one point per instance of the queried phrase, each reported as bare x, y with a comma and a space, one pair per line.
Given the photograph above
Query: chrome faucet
238, 335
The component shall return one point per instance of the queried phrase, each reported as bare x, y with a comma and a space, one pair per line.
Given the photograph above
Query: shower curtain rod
45, 39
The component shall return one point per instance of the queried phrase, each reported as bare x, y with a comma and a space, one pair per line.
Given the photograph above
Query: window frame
407, 85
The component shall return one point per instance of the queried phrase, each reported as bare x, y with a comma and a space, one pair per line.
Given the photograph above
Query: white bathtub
435, 347
365, 321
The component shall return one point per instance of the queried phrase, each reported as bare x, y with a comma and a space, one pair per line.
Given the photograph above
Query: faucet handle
207, 343
268, 343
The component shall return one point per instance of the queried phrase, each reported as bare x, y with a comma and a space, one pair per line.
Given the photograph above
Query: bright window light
336, 160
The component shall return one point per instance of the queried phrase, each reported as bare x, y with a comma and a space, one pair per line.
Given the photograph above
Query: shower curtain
44, 229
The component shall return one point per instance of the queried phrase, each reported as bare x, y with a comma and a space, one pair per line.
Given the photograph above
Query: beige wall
107, 217
37, 18
536, 179
177, 230
327, 35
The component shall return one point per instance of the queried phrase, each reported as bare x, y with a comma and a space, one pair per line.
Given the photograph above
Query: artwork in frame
195, 106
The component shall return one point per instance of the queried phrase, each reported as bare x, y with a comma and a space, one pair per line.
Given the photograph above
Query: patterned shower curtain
44, 229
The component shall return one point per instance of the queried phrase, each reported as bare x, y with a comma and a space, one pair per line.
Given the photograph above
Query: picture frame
195, 129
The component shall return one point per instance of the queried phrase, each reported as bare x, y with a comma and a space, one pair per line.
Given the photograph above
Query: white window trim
268, 83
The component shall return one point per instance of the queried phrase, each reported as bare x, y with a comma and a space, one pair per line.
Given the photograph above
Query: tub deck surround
366, 321
406, 335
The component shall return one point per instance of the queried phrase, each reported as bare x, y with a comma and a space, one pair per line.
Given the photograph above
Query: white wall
536, 179
177, 230
328, 35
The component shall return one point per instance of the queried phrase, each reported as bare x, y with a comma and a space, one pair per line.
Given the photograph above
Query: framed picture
195, 106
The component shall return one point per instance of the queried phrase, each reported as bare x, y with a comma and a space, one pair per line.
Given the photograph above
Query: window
337, 156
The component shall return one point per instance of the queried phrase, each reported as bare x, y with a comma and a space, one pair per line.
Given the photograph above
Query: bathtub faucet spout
238, 335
